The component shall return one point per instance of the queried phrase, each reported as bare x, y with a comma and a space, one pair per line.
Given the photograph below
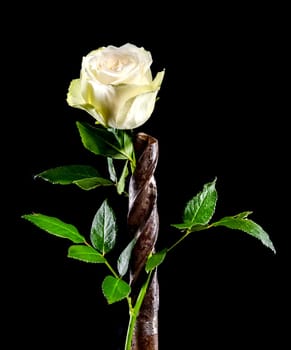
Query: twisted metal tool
143, 223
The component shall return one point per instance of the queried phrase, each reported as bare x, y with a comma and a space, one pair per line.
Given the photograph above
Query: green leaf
123, 260
192, 228
111, 170
93, 182
85, 253
121, 181
115, 289
241, 222
200, 209
102, 141
155, 260
68, 174
103, 229
183, 226
55, 227
125, 142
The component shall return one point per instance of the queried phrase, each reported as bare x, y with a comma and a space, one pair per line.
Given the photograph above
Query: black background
221, 113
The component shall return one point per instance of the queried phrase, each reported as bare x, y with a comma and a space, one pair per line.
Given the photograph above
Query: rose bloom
116, 86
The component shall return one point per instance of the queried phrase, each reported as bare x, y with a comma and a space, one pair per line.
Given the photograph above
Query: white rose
116, 86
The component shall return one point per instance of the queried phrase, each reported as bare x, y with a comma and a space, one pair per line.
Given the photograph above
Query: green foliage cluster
118, 145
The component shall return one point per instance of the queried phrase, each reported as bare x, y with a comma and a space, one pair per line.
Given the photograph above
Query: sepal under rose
116, 86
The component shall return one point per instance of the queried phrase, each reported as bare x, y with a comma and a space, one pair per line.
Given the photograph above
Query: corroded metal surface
143, 223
